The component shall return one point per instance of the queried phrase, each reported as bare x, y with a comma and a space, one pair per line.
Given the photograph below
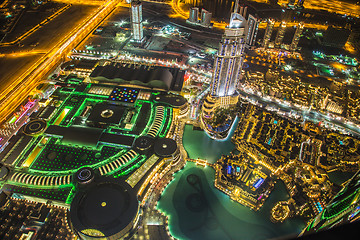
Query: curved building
344, 208
208, 108
140, 76
106, 209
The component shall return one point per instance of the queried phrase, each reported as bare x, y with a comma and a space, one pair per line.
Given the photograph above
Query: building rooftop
153, 77
106, 207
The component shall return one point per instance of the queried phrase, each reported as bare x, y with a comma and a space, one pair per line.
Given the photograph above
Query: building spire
236, 7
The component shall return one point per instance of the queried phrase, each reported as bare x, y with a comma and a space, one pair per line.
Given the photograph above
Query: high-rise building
136, 21
268, 32
205, 19
194, 15
243, 11
280, 34
252, 29
229, 59
296, 38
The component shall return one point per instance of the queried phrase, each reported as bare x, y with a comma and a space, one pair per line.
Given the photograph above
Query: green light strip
71, 195
168, 116
151, 119
38, 187
120, 172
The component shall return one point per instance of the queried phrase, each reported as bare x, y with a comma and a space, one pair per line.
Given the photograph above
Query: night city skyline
179, 119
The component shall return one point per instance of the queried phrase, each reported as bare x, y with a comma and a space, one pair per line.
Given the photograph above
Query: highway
12, 97
34, 29
16, 59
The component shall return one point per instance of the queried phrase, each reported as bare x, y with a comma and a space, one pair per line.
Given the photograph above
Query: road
15, 60
22, 86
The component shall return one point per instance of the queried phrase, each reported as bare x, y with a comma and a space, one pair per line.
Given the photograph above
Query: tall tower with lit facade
227, 72
296, 38
268, 32
252, 29
229, 59
280, 34
136, 21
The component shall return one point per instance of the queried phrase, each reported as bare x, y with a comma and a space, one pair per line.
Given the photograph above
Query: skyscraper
268, 32
194, 15
280, 34
252, 29
229, 59
136, 21
205, 19
296, 38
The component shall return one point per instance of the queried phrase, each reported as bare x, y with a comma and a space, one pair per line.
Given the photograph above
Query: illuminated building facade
229, 59
227, 72
280, 34
296, 38
136, 21
268, 32
252, 29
